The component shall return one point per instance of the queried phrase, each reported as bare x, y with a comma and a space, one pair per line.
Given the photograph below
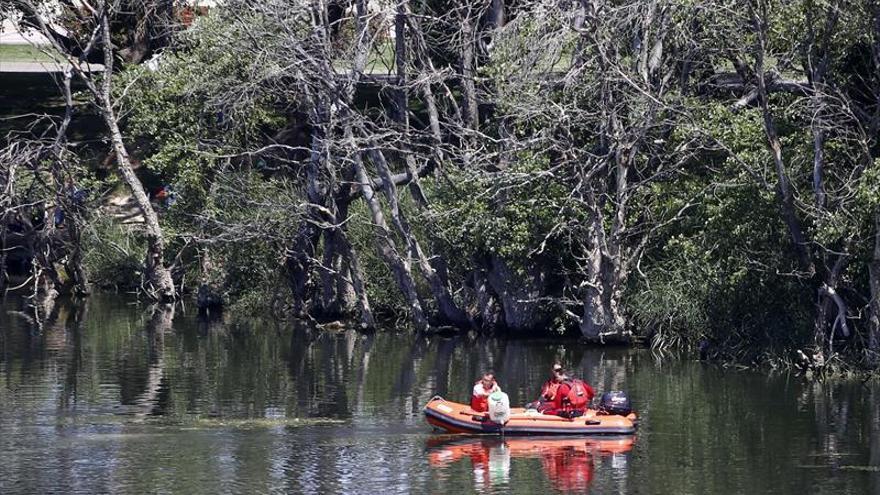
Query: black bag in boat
615, 402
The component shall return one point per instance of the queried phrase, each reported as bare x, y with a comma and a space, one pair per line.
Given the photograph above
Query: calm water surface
111, 397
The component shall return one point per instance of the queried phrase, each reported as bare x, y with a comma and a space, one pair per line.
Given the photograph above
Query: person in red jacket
555, 394
550, 395
484, 387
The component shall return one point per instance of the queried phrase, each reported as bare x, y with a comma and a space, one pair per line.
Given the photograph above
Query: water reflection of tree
141, 362
75, 329
848, 415
366, 352
442, 364
33, 350
320, 367
148, 401
874, 457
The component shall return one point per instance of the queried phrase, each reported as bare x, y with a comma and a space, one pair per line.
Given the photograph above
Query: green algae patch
194, 422
870, 469
248, 423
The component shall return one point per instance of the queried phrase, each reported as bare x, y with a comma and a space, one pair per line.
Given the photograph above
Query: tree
96, 21
842, 139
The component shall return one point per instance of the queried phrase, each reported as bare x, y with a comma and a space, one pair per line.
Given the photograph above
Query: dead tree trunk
331, 269
159, 276
470, 110
874, 306
298, 264
342, 286
67, 199
785, 191
356, 276
299, 260
518, 295
422, 61
446, 307
828, 296
601, 321
786, 195
385, 243
874, 264
815, 54
487, 307
495, 16
161, 285
3, 249
6, 189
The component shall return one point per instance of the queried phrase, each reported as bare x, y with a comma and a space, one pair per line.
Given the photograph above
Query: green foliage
513, 214
114, 254
249, 220
171, 113
725, 273
673, 302
192, 140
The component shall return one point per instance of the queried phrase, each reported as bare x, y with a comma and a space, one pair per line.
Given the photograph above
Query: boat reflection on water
568, 463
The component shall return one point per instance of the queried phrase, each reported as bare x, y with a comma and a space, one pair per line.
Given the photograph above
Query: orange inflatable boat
460, 418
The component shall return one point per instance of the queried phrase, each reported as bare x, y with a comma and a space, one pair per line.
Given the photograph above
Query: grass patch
23, 53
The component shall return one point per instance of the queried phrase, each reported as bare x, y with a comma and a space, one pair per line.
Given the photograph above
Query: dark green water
114, 398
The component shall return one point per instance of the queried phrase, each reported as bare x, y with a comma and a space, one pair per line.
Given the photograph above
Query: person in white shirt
484, 387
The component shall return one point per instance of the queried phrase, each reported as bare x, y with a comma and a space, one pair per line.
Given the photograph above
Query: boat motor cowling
499, 408
615, 402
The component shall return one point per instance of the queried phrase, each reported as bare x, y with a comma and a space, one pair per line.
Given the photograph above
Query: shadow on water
108, 396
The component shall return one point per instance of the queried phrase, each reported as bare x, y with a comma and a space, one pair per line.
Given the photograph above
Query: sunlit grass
24, 53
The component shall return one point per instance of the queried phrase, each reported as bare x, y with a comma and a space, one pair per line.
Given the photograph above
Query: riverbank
788, 363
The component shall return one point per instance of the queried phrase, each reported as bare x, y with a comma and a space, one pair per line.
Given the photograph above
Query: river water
113, 397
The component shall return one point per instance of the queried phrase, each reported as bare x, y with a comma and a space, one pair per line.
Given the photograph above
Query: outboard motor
615, 402
499, 408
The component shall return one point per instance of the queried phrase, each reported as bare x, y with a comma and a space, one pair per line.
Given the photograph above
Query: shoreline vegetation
701, 176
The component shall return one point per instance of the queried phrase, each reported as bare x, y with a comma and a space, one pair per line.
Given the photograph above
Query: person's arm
478, 390
590, 392
545, 391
